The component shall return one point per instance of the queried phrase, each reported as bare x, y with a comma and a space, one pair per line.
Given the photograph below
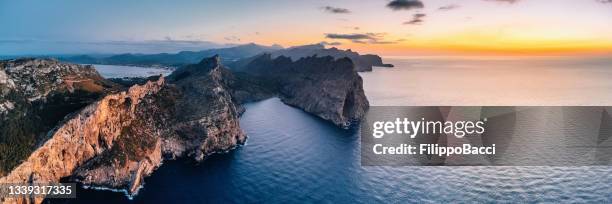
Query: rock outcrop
327, 87
35, 95
206, 108
123, 136
363, 63
193, 116
91, 133
374, 60
117, 141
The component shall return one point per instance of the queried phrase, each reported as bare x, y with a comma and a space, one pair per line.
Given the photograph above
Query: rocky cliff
91, 133
192, 116
363, 63
118, 140
35, 95
327, 87
206, 108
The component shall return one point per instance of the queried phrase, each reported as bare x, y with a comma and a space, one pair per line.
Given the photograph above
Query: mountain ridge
118, 140
231, 55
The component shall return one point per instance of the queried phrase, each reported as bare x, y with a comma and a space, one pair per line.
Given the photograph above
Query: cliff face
136, 123
327, 87
122, 138
116, 141
194, 116
35, 95
91, 133
206, 108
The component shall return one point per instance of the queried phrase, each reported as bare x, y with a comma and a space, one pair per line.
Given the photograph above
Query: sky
386, 27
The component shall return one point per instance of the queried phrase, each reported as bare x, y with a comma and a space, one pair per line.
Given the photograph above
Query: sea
120, 71
295, 157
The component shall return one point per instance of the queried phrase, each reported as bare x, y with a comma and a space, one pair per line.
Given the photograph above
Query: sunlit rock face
113, 136
123, 137
35, 95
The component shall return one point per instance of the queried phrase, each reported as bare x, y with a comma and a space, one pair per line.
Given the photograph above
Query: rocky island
112, 136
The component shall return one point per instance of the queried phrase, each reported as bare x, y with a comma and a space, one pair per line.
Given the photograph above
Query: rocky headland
116, 135
35, 95
324, 86
363, 63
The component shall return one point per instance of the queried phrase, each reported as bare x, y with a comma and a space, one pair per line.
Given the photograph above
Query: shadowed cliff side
206, 108
363, 63
327, 87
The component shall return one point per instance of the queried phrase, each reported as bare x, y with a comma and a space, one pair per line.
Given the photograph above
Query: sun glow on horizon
469, 27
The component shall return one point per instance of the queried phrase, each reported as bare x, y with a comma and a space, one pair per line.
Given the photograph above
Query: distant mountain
233, 56
175, 60
362, 63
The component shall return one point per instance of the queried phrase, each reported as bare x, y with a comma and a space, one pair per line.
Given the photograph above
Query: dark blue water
293, 157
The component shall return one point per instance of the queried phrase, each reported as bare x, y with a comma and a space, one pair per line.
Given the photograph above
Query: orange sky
473, 27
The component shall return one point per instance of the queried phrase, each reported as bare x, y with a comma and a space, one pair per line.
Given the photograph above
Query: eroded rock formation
363, 63
91, 133
118, 140
35, 95
122, 138
327, 87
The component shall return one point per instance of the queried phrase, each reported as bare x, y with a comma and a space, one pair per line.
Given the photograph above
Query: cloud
604, 1
397, 5
505, 1
330, 43
232, 38
354, 36
361, 38
335, 10
383, 42
449, 7
417, 19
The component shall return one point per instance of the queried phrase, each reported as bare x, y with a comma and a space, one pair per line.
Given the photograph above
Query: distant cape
231, 56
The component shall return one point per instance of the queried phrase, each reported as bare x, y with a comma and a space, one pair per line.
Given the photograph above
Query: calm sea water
294, 157
118, 71
491, 81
